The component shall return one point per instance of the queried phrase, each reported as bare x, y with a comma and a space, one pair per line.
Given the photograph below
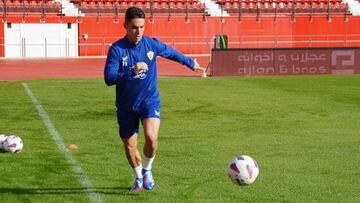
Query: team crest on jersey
150, 55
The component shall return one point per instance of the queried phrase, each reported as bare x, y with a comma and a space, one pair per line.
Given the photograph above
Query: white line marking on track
79, 173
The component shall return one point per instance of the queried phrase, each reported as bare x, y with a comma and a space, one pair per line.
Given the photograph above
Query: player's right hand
140, 67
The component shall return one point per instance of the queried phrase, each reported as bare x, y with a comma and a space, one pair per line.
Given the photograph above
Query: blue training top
133, 91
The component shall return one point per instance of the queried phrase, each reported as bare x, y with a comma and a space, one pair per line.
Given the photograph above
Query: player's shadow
73, 190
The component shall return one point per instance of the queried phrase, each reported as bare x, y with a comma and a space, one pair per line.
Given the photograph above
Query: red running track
31, 69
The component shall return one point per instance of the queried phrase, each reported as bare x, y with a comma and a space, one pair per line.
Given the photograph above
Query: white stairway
68, 8
213, 8
354, 6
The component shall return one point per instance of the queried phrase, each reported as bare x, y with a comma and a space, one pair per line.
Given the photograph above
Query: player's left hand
197, 67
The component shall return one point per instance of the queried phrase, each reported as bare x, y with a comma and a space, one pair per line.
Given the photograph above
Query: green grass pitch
304, 131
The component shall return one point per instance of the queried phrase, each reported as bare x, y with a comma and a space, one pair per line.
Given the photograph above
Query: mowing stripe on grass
79, 173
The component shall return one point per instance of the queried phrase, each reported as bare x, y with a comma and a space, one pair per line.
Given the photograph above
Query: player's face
135, 29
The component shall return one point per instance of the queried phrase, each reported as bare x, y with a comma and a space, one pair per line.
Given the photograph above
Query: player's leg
132, 153
150, 118
128, 130
151, 133
134, 158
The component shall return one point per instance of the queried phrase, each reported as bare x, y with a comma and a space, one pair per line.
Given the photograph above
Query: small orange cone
72, 146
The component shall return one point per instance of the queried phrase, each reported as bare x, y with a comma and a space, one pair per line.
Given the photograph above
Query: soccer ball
13, 144
2, 140
243, 170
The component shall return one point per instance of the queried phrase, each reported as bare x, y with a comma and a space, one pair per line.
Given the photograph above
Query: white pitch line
79, 173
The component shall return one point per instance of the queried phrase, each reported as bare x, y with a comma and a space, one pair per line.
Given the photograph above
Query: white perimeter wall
41, 40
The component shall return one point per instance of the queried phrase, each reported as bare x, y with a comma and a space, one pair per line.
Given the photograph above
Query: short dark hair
134, 12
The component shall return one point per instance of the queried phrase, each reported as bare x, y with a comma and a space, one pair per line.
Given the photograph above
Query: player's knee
151, 138
152, 143
130, 148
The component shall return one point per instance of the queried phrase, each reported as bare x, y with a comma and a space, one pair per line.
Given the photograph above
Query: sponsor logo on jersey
141, 75
124, 61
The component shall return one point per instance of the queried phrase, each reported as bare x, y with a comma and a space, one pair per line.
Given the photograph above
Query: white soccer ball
243, 170
2, 140
13, 144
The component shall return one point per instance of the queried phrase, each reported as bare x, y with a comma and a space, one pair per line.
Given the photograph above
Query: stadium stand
282, 6
210, 7
157, 6
190, 25
30, 6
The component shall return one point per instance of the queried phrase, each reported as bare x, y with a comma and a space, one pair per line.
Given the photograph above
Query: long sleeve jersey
135, 90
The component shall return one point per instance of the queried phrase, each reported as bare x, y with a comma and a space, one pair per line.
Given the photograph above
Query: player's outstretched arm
172, 54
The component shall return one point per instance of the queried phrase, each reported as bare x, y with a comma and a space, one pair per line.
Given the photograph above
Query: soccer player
131, 66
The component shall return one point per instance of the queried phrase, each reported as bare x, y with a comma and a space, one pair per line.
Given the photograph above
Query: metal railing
45, 49
98, 46
192, 45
